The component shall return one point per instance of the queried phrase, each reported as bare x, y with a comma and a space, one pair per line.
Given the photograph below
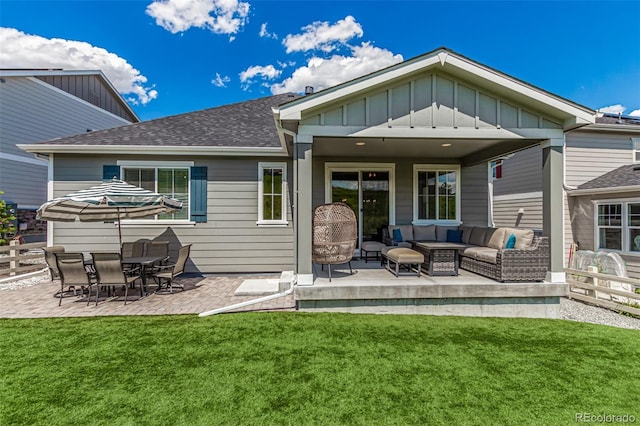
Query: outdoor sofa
488, 251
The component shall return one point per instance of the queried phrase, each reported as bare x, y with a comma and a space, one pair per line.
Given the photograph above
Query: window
170, 181
635, 142
272, 179
618, 226
436, 193
496, 169
610, 226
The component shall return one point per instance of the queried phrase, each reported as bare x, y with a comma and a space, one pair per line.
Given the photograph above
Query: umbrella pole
119, 230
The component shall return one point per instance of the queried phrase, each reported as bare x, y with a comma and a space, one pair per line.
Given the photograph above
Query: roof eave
156, 150
597, 191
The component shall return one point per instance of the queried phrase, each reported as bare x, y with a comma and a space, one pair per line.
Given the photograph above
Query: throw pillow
397, 236
511, 242
454, 236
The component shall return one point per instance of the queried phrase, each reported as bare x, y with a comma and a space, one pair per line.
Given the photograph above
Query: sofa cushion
497, 240
405, 230
424, 233
524, 237
477, 236
441, 232
487, 255
473, 251
454, 236
466, 233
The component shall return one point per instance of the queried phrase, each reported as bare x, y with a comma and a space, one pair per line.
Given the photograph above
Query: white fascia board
155, 150
619, 128
293, 111
596, 191
429, 132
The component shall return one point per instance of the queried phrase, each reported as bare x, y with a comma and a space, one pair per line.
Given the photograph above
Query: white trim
21, 159
304, 279
272, 165
436, 168
182, 223
635, 150
50, 192
153, 149
599, 191
154, 164
330, 167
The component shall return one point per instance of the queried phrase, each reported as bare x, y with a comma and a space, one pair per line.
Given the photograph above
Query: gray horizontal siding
505, 212
229, 242
475, 189
32, 111
521, 173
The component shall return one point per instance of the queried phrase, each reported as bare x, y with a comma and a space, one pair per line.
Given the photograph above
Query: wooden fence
590, 286
21, 258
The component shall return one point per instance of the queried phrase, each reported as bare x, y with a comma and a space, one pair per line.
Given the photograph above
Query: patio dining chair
158, 249
134, 248
73, 274
110, 273
167, 273
50, 259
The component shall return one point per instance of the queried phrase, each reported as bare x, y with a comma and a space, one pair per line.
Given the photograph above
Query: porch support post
303, 207
553, 205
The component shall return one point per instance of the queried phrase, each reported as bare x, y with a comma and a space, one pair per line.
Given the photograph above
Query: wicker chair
50, 258
334, 235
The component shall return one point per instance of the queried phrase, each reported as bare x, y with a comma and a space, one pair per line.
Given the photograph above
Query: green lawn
296, 368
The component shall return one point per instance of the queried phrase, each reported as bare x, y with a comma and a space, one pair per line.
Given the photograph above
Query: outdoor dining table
144, 262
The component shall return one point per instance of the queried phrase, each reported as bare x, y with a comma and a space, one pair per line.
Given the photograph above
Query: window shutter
199, 194
109, 172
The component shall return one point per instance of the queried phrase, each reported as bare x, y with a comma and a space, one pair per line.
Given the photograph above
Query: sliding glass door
368, 192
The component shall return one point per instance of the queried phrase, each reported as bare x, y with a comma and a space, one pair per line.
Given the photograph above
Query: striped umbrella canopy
113, 200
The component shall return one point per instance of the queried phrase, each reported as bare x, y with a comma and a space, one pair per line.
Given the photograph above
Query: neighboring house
409, 143
38, 105
602, 202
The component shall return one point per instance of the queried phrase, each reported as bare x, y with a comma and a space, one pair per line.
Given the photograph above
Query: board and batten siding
33, 111
229, 242
92, 89
430, 99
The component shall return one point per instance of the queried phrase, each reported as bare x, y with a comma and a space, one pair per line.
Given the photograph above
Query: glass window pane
277, 181
634, 239
634, 214
277, 207
267, 207
611, 238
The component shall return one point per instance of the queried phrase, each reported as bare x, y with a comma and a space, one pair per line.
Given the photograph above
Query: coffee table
440, 258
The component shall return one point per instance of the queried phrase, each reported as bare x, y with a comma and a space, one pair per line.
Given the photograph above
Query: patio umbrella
113, 200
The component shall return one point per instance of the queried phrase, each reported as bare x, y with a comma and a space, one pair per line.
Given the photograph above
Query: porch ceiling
465, 150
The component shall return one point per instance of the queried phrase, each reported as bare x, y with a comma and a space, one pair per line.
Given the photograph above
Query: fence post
596, 281
13, 265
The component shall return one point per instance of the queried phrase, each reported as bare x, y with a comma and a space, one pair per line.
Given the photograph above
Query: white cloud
268, 72
613, 109
20, 50
635, 113
265, 33
322, 73
323, 36
218, 16
220, 81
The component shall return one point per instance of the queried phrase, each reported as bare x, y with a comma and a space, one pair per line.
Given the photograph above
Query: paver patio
202, 293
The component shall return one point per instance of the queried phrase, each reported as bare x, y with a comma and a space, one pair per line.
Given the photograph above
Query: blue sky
174, 56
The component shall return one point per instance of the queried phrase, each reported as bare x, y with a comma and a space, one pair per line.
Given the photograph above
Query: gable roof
57, 78
622, 179
574, 114
245, 125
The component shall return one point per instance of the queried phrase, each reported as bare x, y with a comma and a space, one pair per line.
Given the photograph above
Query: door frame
362, 167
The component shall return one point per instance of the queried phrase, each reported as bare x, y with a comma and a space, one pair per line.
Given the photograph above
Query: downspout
251, 302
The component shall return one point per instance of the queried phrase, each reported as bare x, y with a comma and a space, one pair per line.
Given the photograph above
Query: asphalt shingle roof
622, 176
243, 124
